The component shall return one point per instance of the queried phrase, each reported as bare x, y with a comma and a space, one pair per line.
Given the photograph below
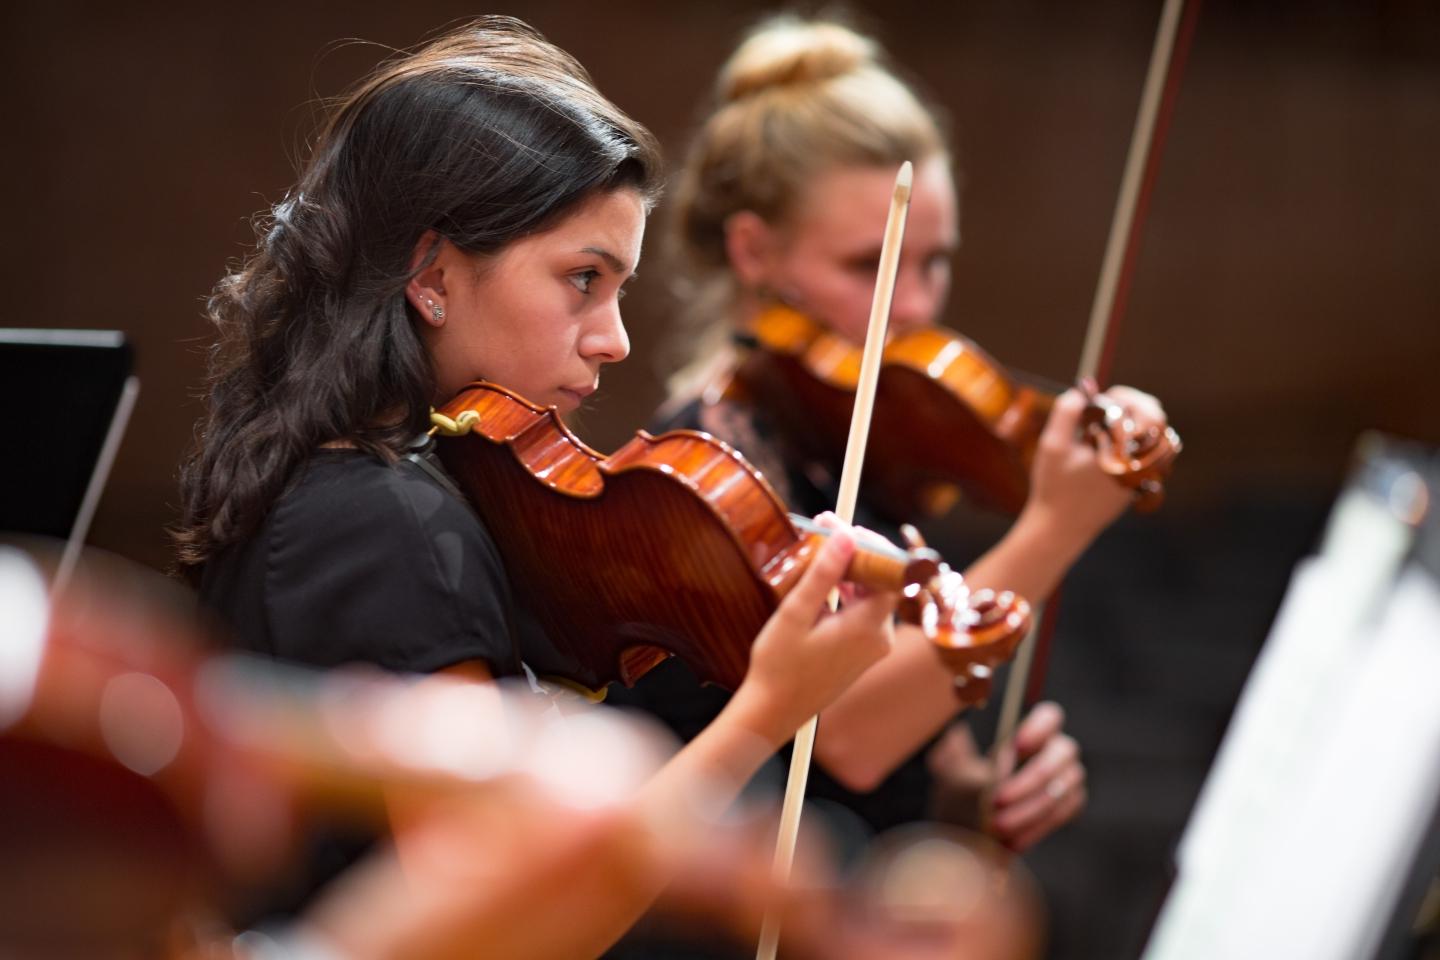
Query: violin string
1038, 382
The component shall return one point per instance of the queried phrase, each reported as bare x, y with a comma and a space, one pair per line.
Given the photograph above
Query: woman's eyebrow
611, 261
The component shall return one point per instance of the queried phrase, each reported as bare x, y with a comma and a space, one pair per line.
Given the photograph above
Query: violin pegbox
972, 632
1139, 458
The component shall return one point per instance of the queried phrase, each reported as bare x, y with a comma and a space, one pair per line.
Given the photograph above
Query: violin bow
1157, 106
845, 509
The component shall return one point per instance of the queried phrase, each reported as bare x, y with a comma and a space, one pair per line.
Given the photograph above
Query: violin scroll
973, 632
1139, 457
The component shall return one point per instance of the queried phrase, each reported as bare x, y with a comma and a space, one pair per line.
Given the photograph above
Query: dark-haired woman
471, 210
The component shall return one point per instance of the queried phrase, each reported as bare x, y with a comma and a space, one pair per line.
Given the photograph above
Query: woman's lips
576, 395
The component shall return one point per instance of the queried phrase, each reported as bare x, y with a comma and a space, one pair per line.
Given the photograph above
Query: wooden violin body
672, 545
949, 420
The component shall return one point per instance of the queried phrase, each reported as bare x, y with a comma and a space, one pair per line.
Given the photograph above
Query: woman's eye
583, 279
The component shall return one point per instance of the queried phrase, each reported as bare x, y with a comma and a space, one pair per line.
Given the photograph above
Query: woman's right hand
804, 657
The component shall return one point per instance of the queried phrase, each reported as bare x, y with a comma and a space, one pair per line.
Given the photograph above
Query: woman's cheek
858, 298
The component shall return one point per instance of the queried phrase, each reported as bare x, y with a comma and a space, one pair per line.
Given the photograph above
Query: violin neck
879, 564
878, 545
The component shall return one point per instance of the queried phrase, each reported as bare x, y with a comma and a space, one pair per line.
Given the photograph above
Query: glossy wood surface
950, 421
672, 545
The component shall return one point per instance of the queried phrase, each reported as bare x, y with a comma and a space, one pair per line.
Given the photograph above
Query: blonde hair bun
787, 51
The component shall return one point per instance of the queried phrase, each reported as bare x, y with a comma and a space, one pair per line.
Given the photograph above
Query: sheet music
1330, 770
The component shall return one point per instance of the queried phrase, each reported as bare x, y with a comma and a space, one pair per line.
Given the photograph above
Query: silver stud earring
437, 312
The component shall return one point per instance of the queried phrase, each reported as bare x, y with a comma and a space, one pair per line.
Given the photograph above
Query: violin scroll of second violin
1137, 454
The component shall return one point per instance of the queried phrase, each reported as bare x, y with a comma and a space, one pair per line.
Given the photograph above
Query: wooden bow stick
845, 508
1161, 84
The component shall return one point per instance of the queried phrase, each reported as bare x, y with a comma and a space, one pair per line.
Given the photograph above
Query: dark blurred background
1287, 292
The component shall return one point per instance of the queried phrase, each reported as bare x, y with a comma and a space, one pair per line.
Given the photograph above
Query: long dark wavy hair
484, 135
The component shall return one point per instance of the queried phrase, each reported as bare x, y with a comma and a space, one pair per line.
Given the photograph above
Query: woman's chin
566, 401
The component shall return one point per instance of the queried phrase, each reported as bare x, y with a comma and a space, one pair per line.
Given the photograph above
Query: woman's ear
426, 289
751, 246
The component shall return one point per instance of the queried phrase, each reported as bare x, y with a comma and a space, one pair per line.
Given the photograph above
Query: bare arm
536, 879
904, 700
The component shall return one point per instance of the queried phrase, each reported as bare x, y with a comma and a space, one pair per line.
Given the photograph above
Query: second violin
949, 419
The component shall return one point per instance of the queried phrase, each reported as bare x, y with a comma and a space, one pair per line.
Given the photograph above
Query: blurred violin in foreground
149, 780
136, 763
949, 419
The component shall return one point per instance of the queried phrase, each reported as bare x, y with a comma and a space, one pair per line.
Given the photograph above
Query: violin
105, 676
934, 384
149, 780
676, 545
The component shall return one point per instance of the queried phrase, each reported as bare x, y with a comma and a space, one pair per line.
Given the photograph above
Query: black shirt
365, 561
361, 561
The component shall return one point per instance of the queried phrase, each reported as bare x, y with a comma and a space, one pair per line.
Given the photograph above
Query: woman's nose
607, 340
916, 302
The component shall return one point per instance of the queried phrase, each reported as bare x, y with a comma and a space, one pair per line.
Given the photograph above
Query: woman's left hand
1071, 498
1047, 790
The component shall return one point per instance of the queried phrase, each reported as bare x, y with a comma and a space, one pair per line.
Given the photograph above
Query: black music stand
67, 397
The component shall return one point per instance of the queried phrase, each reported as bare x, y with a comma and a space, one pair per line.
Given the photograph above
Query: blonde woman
782, 200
